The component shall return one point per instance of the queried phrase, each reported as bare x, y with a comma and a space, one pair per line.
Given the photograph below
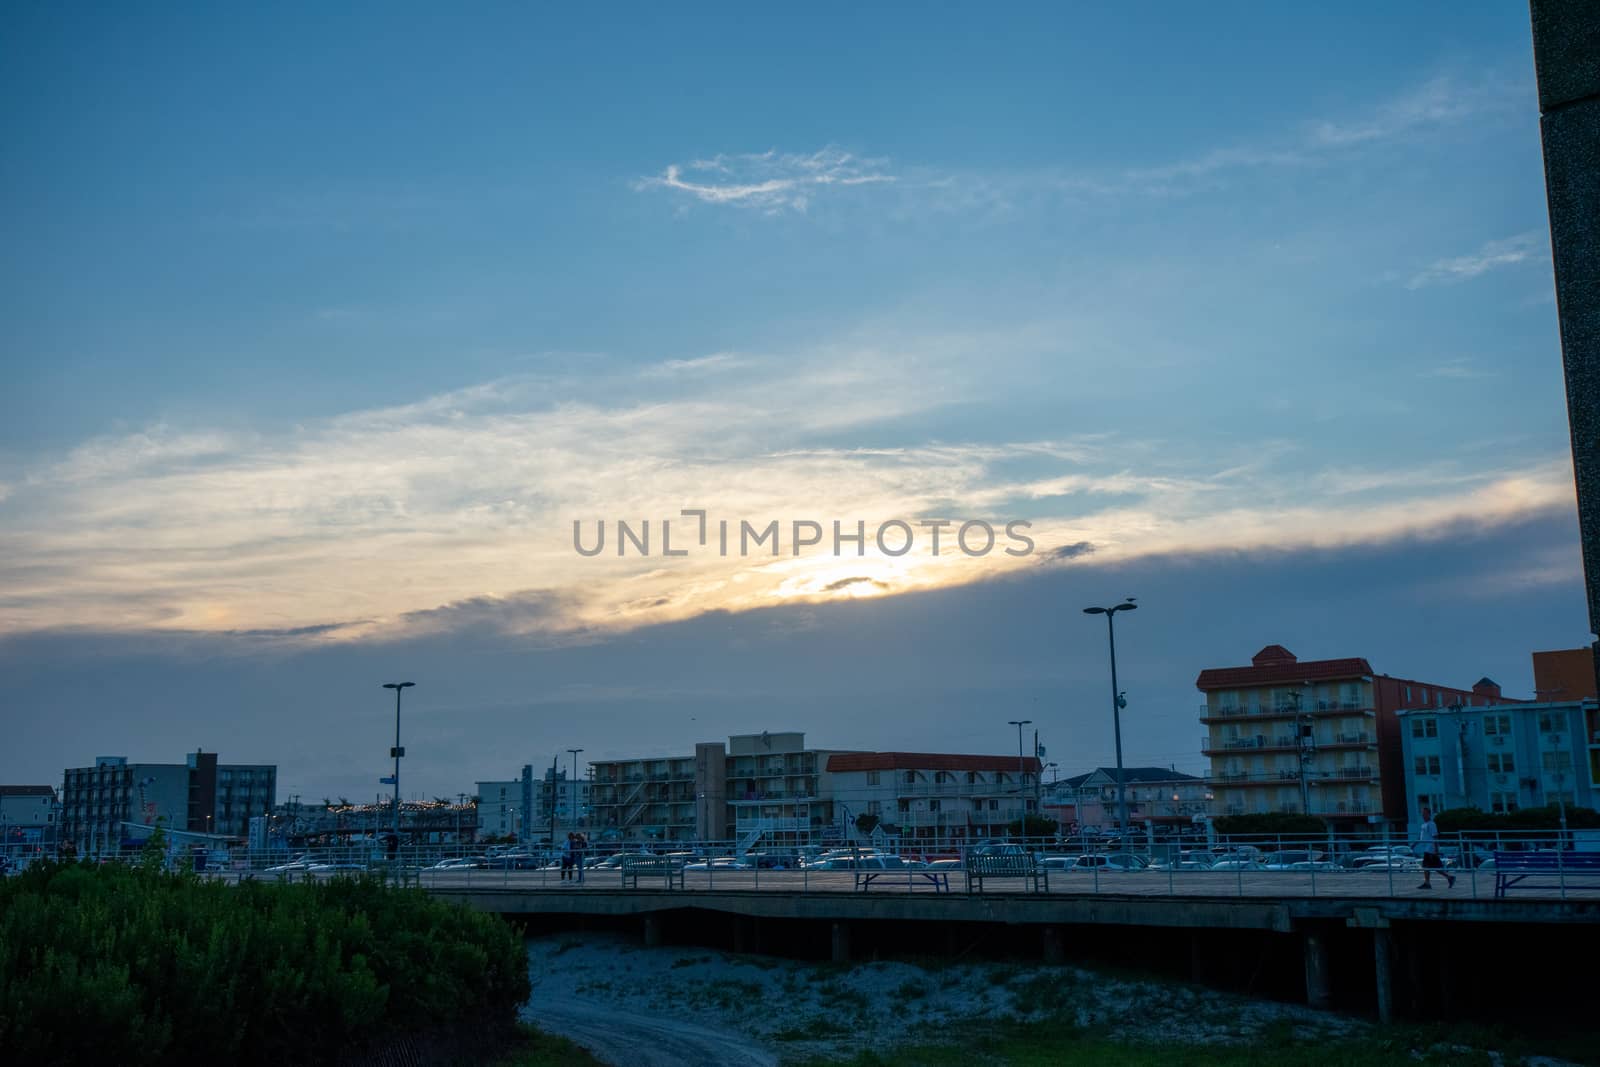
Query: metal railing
1270, 866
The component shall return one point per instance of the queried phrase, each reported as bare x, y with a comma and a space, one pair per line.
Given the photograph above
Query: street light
1118, 702
396, 752
1022, 774
574, 784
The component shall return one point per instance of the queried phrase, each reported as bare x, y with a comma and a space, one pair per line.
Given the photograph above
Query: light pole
1117, 704
397, 752
574, 785
1022, 774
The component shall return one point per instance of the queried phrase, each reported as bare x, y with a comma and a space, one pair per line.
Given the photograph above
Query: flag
387, 780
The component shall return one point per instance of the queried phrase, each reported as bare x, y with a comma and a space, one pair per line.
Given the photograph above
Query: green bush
1271, 822
133, 965
1545, 818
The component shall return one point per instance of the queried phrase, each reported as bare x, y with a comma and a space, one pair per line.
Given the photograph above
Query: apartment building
933, 799
27, 820
1320, 736
1502, 758
199, 795
753, 787
505, 807
1156, 796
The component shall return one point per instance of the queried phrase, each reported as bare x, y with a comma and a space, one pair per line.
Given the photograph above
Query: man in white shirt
1430, 852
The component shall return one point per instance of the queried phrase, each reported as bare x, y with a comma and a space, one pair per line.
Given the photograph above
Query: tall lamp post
1022, 774
397, 752
573, 784
1117, 703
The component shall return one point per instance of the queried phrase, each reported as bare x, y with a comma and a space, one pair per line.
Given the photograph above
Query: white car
1236, 862
299, 863
721, 863
1108, 861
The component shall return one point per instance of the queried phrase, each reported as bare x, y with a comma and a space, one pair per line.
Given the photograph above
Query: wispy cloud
1521, 248
1461, 369
768, 181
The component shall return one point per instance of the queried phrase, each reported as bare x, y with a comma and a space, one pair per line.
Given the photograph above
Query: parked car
299, 863
1108, 861
1292, 859
720, 863
1237, 861
1190, 860
336, 867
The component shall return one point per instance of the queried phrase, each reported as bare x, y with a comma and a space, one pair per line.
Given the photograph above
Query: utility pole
572, 785
1306, 746
555, 768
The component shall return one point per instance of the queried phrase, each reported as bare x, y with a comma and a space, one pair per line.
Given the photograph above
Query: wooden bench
1571, 869
636, 867
1005, 865
865, 876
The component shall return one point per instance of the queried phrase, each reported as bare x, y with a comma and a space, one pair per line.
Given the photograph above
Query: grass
534, 1048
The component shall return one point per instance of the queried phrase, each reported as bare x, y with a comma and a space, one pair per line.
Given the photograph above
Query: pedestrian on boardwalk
568, 848
1430, 852
580, 851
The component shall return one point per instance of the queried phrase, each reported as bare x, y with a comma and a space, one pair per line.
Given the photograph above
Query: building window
1425, 726
1427, 764
872, 777
1435, 801
1496, 725
1502, 763
1549, 722
1502, 802
1556, 762
911, 778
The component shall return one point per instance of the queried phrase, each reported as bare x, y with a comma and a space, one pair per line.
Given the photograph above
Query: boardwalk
1258, 885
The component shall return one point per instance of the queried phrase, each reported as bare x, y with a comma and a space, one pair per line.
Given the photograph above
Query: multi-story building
505, 808
1320, 736
933, 799
198, 795
1503, 757
756, 787
27, 820
1565, 674
560, 802
1156, 796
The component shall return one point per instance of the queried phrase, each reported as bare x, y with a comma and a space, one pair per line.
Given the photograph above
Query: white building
933, 799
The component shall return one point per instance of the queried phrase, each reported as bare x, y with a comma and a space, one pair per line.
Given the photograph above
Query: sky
323, 329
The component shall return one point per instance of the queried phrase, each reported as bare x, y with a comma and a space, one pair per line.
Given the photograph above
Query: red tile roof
925, 761
1315, 670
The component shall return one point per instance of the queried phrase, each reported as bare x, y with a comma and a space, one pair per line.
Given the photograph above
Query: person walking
1430, 852
580, 851
567, 849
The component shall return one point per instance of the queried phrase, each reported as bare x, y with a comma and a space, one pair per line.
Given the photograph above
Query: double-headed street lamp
1117, 703
1022, 775
397, 752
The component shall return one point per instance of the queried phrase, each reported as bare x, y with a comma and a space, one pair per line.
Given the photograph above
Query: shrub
134, 965
1271, 822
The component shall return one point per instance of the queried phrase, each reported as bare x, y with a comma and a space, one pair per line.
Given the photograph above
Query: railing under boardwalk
1475, 866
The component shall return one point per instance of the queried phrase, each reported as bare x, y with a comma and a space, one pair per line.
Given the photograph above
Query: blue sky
331, 322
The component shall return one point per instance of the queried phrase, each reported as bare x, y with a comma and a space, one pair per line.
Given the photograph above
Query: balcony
1236, 713
1287, 776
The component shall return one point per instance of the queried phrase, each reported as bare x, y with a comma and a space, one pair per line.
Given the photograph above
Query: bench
1569, 869
940, 880
1005, 865
636, 867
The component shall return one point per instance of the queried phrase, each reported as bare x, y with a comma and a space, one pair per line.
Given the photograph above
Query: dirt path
620, 1036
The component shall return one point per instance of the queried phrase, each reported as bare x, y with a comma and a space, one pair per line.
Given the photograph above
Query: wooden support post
1053, 953
1319, 992
1383, 972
